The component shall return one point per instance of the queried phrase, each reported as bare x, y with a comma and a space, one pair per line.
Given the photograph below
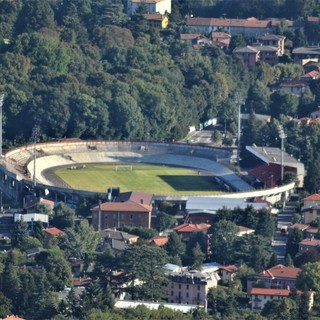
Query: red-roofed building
157, 20
13, 318
53, 231
311, 75
159, 241
309, 244
244, 230
260, 296
32, 203
228, 272
277, 277
131, 209
311, 200
186, 229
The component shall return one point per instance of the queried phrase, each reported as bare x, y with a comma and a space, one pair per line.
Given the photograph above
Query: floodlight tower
282, 136
1, 104
239, 101
35, 132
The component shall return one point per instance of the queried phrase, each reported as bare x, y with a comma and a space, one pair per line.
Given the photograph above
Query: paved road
279, 241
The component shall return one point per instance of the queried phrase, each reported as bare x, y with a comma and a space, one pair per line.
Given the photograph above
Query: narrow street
284, 220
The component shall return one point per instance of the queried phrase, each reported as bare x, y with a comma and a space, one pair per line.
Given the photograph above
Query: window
187, 295
187, 287
179, 286
179, 295
171, 293
198, 287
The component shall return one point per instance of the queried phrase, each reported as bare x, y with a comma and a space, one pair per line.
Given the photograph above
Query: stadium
31, 167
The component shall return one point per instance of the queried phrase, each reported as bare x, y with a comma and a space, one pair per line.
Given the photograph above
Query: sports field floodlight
239, 101
282, 136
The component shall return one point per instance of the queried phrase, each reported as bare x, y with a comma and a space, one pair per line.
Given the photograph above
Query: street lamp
35, 133
282, 136
239, 101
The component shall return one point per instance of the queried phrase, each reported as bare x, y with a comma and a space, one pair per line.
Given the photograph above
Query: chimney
141, 201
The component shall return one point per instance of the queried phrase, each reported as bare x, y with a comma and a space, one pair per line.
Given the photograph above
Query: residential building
120, 214
158, 241
30, 205
186, 229
151, 6
311, 214
118, 240
228, 272
260, 296
53, 232
221, 39
268, 54
311, 201
295, 87
157, 20
304, 53
277, 277
250, 55
129, 209
12, 318
309, 244
244, 231
272, 40
302, 227
311, 232
190, 287
311, 76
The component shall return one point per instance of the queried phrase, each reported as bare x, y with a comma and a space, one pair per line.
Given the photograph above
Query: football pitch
155, 179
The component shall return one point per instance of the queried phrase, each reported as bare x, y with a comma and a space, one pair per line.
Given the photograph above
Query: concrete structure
273, 155
277, 277
260, 296
151, 6
31, 218
190, 287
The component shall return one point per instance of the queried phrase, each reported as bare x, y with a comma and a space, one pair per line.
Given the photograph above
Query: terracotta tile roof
77, 282
13, 318
313, 197
270, 292
154, 16
313, 19
220, 22
314, 74
246, 49
123, 206
244, 229
300, 226
137, 197
159, 241
292, 84
189, 36
189, 227
280, 271
54, 231
35, 201
312, 230
310, 242
232, 268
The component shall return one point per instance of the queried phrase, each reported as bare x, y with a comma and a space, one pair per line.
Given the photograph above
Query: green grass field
155, 179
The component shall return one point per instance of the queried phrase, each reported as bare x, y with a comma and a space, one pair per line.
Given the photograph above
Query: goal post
123, 168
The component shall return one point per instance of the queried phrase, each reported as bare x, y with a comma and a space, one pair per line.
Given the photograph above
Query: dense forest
84, 69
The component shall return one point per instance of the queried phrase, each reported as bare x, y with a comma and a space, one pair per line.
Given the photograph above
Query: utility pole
282, 136
239, 101
35, 132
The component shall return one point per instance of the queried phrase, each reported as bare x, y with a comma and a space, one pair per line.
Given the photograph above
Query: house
120, 214
268, 54
311, 213
118, 240
244, 231
151, 6
309, 244
186, 229
53, 232
250, 55
295, 87
128, 209
272, 40
157, 20
312, 200
221, 39
228, 272
159, 241
311, 232
260, 296
277, 277
311, 76
12, 318
305, 53
30, 205
302, 227
190, 287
